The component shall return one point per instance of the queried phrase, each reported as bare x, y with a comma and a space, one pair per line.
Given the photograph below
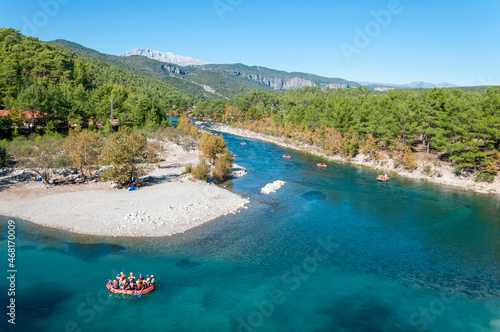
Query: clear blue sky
422, 40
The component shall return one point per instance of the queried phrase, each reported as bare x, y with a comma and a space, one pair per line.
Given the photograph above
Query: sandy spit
170, 205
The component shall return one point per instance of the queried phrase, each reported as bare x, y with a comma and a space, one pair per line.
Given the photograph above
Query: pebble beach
171, 204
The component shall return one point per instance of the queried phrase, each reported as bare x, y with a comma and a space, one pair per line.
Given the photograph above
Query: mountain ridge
168, 57
211, 81
293, 83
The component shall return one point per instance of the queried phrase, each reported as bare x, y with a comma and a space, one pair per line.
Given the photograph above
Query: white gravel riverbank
167, 206
441, 175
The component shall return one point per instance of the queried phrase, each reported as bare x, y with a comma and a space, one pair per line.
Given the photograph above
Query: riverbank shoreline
443, 175
170, 204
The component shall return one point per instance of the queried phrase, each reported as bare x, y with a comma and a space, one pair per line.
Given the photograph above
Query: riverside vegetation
462, 128
215, 158
122, 156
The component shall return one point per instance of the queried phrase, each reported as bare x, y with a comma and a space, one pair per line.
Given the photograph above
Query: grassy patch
364, 166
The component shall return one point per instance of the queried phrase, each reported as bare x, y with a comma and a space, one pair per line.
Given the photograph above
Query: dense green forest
66, 86
142, 66
463, 125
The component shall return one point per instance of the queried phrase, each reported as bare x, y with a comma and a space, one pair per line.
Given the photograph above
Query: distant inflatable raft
383, 178
129, 291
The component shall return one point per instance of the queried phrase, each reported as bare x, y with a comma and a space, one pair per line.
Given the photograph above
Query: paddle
140, 294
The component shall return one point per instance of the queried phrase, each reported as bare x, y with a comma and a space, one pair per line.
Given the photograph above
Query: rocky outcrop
333, 86
274, 82
173, 69
272, 187
279, 84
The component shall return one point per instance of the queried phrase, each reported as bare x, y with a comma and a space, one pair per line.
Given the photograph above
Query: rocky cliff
274, 82
279, 84
172, 69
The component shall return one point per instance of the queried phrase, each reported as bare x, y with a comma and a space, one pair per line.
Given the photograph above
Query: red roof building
35, 117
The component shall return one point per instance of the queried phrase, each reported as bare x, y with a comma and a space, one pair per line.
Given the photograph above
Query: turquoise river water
333, 250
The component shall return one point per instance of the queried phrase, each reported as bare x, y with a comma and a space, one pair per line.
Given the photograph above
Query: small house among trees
28, 119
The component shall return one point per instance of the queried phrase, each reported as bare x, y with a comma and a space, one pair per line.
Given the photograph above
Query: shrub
485, 177
187, 126
370, 147
4, 157
107, 129
427, 169
223, 167
51, 127
201, 171
17, 117
349, 146
493, 164
211, 146
409, 160
38, 153
83, 148
124, 152
189, 169
153, 151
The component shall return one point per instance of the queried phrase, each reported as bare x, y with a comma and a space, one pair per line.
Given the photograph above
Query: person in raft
122, 282
114, 284
125, 284
150, 280
132, 284
141, 285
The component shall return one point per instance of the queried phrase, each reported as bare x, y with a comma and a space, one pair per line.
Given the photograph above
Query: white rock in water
272, 187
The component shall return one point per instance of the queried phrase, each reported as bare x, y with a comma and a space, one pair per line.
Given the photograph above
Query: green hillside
211, 81
38, 75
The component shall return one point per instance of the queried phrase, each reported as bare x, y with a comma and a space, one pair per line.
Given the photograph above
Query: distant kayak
322, 165
383, 178
287, 157
129, 291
